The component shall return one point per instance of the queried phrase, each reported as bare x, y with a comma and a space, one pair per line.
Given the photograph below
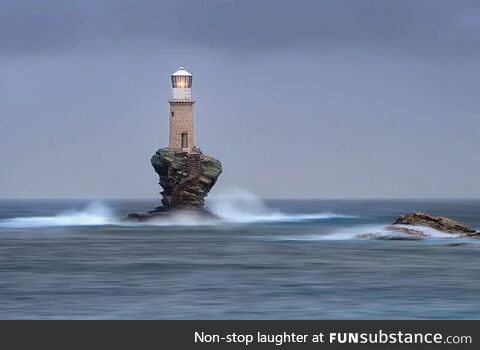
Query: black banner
240, 334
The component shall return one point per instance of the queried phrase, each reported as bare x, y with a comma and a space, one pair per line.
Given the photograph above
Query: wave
377, 231
235, 207
239, 206
95, 214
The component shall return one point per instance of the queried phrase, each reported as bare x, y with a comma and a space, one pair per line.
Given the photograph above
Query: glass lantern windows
182, 81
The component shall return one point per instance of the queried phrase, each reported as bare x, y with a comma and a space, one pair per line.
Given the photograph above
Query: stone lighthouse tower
181, 136
185, 174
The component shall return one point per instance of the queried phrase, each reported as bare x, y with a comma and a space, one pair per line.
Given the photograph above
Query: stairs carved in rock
194, 163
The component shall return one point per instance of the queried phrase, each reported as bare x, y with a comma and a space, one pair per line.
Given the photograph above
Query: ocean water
288, 259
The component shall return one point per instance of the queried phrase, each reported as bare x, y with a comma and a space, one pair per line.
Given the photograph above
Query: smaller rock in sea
440, 223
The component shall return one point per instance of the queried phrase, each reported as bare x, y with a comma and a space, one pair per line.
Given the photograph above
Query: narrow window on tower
172, 113
184, 140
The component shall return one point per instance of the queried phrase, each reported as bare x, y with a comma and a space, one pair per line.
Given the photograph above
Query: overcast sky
298, 99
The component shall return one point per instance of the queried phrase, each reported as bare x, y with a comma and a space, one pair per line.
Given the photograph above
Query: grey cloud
389, 107
421, 27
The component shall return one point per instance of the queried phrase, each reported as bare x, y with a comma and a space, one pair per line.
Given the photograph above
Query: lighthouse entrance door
184, 140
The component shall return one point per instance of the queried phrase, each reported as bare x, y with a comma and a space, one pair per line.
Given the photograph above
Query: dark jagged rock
439, 223
163, 213
399, 230
186, 179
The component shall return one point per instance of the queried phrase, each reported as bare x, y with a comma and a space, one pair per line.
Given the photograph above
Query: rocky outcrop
440, 223
186, 179
401, 230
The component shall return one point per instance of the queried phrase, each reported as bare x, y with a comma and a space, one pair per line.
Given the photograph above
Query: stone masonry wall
181, 121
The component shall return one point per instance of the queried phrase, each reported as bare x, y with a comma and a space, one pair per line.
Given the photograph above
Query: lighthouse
186, 175
181, 134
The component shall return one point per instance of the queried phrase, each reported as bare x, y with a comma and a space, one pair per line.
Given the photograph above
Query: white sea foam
240, 206
377, 231
428, 231
93, 215
234, 207
344, 233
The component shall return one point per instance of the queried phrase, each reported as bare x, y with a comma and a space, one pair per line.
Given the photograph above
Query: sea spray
241, 206
95, 214
235, 207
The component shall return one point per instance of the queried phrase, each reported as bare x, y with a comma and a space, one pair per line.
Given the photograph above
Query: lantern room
182, 85
182, 79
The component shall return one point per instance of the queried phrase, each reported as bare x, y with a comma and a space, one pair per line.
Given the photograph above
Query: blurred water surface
275, 260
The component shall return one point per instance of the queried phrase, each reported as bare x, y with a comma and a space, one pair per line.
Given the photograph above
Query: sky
297, 99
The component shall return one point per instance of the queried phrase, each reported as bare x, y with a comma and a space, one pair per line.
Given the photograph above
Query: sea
261, 259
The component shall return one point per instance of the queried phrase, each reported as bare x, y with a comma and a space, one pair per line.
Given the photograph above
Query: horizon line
263, 198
